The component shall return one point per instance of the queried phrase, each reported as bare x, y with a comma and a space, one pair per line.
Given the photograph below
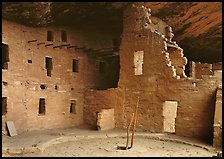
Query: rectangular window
73, 106
48, 65
42, 106
102, 67
75, 65
63, 36
5, 56
4, 105
50, 36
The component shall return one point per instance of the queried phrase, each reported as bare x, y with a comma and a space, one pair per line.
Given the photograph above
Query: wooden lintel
48, 44
40, 43
30, 41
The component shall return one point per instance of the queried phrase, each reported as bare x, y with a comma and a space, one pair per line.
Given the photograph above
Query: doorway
169, 116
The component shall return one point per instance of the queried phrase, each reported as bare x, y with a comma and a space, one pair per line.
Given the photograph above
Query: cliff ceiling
197, 25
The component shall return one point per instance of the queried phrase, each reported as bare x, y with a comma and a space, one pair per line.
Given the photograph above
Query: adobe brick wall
24, 79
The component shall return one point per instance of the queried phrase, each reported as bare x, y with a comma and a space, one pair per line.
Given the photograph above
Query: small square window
43, 86
29, 61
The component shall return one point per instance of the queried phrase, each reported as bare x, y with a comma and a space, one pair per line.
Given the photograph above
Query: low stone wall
105, 119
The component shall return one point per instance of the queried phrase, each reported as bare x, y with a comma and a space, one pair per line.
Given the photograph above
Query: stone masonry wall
159, 83
137, 38
178, 61
217, 141
196, 103
217, 66
202, 69
24, 79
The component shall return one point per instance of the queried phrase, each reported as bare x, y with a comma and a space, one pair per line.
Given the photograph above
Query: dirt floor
86, 142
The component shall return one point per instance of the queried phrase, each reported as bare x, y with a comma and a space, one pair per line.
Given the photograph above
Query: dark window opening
41, 106
48, 65
72, 89
4, 105
110, 71
42, 86
49, 73
63, 36
73, 106
56, 87
102, 67
5, 56
50, 36
29, 61
75, 65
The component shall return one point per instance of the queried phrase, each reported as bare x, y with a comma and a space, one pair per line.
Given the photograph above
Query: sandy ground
108, 148
92, 143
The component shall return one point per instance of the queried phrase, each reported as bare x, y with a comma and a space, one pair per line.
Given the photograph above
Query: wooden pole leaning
128, 130
134, 125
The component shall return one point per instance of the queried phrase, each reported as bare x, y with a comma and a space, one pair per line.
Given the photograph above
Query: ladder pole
128, 130
135, 119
